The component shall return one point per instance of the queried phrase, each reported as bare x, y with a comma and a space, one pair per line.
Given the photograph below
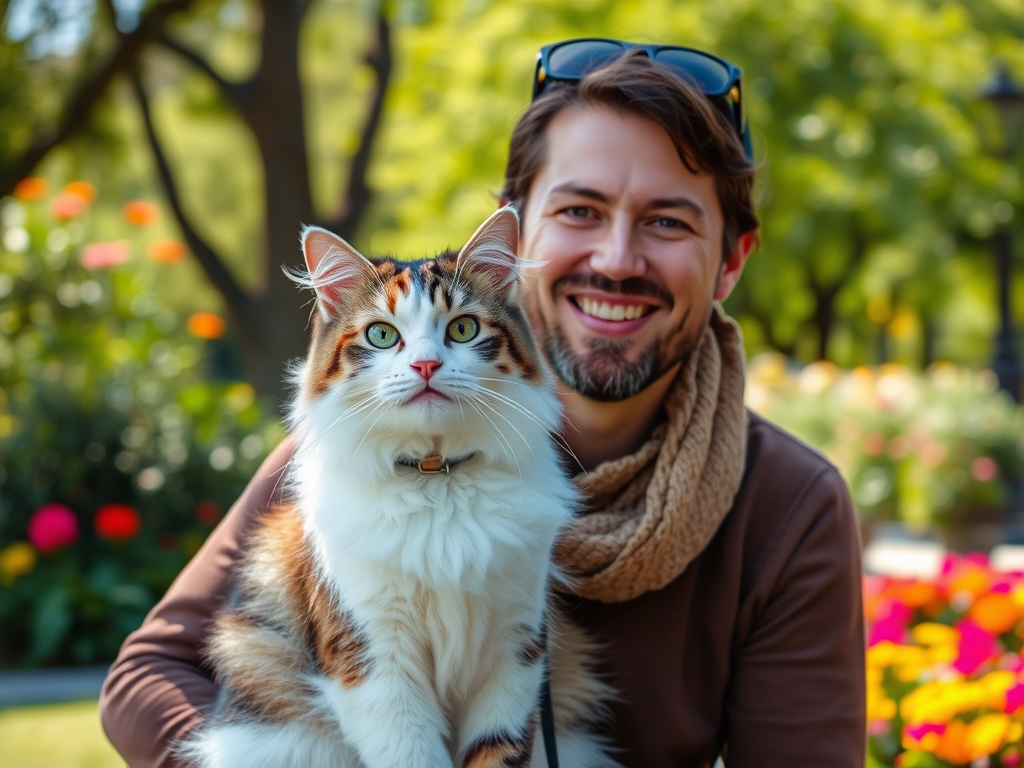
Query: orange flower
66, 206
32, 188
953, 745
206, 325
140, 213
918, 594
167, 251
969, 578
995, 612
82, 189
103, 255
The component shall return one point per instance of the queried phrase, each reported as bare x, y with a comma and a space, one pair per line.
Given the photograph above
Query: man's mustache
631, 286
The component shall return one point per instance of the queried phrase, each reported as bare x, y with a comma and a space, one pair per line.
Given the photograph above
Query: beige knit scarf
648, 515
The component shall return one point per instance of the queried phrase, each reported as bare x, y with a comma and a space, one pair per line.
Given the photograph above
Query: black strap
547, 717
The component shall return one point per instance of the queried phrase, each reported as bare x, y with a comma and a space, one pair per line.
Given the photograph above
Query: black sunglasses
571, 60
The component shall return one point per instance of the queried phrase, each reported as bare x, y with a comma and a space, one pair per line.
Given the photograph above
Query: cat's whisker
498, 433
561, 441
351, 411
511, 424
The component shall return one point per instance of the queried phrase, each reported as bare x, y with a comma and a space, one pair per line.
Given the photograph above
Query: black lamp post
1007, 98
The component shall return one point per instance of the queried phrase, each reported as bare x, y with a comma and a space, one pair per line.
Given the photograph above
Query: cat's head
423, 356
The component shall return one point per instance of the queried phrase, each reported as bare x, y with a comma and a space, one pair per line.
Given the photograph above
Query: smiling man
718, 559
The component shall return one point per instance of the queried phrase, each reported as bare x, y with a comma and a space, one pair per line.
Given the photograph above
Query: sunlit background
158, 158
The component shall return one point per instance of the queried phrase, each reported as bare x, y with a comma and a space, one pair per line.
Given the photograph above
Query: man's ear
732, 266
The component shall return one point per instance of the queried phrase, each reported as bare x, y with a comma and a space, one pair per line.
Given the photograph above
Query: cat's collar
434, 465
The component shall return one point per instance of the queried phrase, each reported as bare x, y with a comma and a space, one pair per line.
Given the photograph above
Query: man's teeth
607, 311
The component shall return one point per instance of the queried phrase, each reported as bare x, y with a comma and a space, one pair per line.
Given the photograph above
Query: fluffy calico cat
397, 613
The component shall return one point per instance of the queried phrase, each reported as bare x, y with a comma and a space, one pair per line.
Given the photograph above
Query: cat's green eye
463, 329
382, 335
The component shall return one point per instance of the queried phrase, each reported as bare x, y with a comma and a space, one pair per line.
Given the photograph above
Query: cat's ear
334, 268
491, 251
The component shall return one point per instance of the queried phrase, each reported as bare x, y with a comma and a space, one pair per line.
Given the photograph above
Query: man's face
627, 243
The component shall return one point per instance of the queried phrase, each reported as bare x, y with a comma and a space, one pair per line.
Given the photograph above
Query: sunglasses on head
571, 60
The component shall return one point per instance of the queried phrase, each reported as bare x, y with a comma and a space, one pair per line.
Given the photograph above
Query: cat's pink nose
426, 368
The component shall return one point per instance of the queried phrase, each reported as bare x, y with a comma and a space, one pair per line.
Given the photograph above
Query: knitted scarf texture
650, 514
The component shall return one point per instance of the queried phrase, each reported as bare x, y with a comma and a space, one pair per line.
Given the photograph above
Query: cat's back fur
388, 617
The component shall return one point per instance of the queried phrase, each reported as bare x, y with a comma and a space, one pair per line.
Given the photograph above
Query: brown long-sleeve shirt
755, 650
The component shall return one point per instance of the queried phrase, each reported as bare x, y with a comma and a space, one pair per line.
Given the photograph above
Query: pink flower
891, 624
918, 732
103, 255
1014, 698
51, 527
983, 469
976, 647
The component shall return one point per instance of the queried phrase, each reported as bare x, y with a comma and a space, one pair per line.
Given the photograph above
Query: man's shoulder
780, 467
787, 488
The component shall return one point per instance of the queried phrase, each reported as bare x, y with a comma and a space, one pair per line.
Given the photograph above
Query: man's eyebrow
678, 202
574, 189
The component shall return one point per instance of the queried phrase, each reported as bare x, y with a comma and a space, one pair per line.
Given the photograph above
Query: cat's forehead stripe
400, 284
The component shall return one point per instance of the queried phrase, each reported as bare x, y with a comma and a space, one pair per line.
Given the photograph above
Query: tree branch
765, 321
238, 95
357, 194
238, 301
81, 101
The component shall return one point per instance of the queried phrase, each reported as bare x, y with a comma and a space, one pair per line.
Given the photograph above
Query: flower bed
121, 445
945, 676
933, 448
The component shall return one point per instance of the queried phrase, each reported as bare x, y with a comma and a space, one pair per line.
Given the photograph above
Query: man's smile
616, 308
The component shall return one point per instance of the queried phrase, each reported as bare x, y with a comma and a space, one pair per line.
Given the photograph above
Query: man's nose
618, 255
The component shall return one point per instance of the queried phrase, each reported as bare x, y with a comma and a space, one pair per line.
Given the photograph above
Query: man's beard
603, 373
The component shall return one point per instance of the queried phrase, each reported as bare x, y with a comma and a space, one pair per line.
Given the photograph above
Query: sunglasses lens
710, 76
576, 59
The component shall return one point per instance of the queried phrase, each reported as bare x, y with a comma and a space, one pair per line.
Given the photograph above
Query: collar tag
433, 465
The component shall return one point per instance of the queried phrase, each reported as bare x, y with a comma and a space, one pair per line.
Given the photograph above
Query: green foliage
104, 399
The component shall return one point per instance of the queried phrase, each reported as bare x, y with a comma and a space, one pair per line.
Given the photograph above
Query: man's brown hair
705, 139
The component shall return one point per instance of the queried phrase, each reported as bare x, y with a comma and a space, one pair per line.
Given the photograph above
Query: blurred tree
270, 102
877, 195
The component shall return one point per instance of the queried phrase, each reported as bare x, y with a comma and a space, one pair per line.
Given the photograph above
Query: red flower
208, 512
117, 521
51, 527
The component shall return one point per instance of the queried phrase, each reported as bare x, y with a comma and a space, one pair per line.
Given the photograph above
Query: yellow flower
931, 633
16, 560
987, 734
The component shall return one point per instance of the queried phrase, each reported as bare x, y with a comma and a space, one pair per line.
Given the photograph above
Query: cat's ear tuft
334, 268
491, 251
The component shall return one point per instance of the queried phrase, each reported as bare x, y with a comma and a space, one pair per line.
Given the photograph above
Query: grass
55, 736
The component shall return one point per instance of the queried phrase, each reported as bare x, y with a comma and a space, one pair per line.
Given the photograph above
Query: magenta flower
891, 624
51, 527
918, 732
976, 647
1014, 698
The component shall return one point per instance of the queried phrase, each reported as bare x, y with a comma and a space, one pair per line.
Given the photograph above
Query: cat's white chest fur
464, 532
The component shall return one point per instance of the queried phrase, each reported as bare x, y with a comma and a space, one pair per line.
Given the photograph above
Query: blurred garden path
50, 686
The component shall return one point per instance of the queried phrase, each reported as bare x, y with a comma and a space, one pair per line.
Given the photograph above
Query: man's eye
578, 211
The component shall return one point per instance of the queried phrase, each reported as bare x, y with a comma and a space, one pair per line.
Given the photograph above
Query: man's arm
157, 689
797, 688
